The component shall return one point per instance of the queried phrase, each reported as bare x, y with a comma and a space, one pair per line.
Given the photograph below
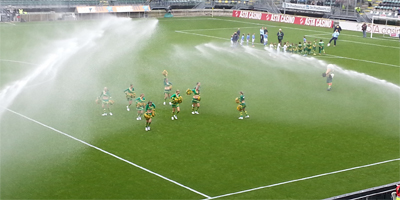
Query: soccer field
300, 142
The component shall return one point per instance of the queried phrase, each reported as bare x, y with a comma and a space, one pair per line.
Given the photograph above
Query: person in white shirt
285, 47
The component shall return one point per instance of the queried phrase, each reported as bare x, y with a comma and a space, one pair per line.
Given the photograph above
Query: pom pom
111, 102
239, 107
189, 92
165, 73
237, 100
130, 95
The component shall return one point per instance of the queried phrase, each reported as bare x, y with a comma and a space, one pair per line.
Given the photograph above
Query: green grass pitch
52, 72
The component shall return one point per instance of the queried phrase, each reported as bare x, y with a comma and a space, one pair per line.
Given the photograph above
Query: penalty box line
306, 178
108, 153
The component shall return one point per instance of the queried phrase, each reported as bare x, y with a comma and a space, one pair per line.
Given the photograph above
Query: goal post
385, 29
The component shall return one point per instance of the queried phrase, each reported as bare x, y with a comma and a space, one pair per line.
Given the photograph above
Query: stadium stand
66, 3
360, 11
393, 5
386, 8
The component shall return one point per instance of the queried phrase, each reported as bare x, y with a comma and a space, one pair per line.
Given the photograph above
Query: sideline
306, 178
334, 56
108, 153
378, 45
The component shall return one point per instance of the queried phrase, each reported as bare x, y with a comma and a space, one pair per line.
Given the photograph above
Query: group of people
264, 36
141, 105
148, 109
304, 48
237, 39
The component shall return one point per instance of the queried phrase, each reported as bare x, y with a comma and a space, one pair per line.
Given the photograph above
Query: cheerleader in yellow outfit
242, 105
196, 98
150, 113
130, 95
176, 100
105, 101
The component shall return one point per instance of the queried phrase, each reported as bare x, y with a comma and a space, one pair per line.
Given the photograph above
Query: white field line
378, 45
348, 35
334, 56
31, 85
374, 38
210, 36
15, 61
311, 31
10, 23
108, 153
306, 178
318, 34
321, 56
192, 19
324, 56
215, 29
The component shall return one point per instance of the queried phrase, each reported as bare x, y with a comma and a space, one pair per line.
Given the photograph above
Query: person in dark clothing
280, 35
364, 29
235, 39
262, 35
238, 31
337, 27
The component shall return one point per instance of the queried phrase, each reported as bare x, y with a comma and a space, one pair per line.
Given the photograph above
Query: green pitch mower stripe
306, 178
106, 152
